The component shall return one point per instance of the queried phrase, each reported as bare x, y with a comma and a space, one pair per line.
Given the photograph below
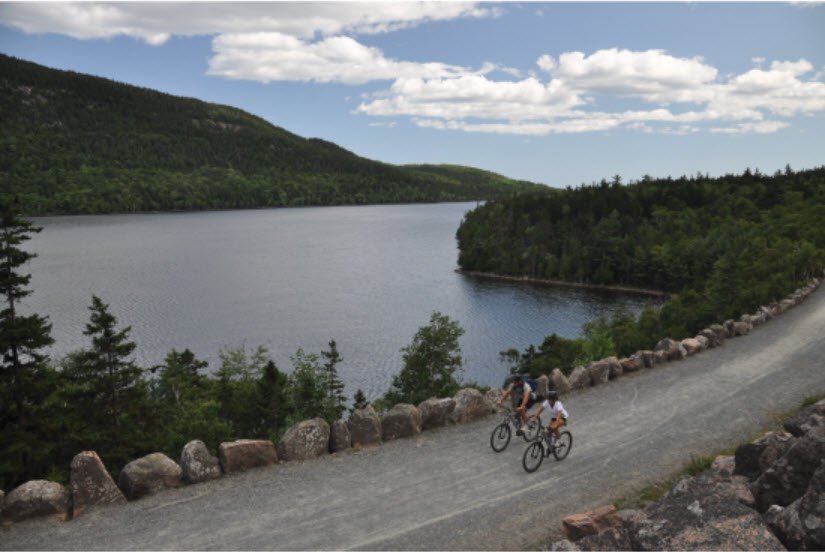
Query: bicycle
541, 447
500, 437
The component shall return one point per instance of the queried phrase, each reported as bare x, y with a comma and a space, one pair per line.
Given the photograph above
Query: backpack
532, 383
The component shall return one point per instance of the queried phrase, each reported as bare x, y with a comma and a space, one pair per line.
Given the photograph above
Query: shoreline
529, 280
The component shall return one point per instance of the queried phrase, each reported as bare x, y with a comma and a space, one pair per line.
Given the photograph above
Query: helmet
552, 396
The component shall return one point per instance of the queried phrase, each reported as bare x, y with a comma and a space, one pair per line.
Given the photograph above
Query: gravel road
447, 490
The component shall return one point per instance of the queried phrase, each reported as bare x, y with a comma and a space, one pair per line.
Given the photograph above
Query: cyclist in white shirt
558, 415
523, 398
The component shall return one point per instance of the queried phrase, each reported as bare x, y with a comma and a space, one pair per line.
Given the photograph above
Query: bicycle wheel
563, 444
500, 437
532, 430
533, 457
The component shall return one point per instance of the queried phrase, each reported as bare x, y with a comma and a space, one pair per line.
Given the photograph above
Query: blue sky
559, 93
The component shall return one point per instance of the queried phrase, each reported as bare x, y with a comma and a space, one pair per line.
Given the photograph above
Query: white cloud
154, 22
567, 92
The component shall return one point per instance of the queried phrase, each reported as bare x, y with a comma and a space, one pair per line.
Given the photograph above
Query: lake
367, 277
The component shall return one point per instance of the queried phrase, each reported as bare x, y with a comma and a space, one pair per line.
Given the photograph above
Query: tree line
77, 144
97, 398
720, 247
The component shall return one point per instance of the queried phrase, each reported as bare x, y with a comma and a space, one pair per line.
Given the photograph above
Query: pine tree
359, 401
335, 399
273, 401
105, 393
24, 374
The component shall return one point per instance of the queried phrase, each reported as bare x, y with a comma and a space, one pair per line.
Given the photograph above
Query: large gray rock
91, 484
787, 479
403, 420
245, 454
631, 364
197, 464
150, 474
437, 412
37, 498
305, 440
692, 346
672, 349
648, 358
365, 428
711, 336
579, 378
742, 328
705, 512
543, 385
470, 405
801, 526
614, 367
559, 382
599, 372
752, 459
339, 437
806, 419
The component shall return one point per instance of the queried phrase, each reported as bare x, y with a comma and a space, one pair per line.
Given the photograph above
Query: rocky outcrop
37, 498
631, 364
91, 484
787, 479
150, 474
244, 454
305, 440
198, 464
470, 405
437, 412
365, 428
403, 420
614, 367
806, 419
339, 437
578, 526
648, 358
801, 525
778, 474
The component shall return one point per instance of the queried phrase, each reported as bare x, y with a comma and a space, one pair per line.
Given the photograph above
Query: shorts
564, 420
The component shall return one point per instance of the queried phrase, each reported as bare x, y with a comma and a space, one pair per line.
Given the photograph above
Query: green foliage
359, 401
25, 378
307, 386
103, 400
335, 400
72, 143
722, 247
430, 363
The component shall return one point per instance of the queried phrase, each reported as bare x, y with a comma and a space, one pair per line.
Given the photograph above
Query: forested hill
726, 244
74, 143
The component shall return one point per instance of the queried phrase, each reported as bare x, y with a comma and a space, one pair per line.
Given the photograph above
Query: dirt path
446, 489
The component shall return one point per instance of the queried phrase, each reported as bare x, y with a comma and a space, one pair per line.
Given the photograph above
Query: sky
559, 93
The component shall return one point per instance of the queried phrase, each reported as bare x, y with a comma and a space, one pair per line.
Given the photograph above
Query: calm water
367, 277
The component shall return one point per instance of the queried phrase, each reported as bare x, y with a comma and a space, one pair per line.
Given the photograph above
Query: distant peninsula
78, 144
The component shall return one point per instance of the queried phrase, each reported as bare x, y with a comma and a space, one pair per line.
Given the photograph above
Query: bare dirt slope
447, 489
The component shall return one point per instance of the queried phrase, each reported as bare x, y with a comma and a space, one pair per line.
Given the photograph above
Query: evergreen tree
273, 399
335, 399
306, 387
359, 401
24, 374
180, 379
430, 363
104, 393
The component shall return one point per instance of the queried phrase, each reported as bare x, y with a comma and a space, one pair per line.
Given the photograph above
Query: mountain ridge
72, 143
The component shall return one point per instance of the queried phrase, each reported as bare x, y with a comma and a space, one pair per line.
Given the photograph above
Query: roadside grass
696, 465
